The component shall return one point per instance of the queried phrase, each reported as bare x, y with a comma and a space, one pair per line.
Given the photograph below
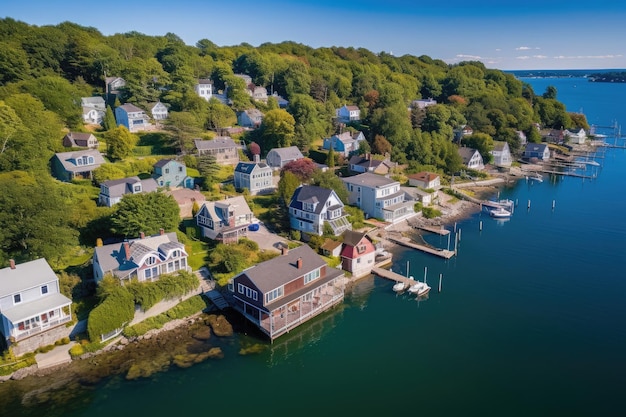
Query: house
158, 110
553, 135
33, 312
204, 88
282, 102
312, 207
256, 177
501, 154
472, 159
344, 143
425, 180
576, 136
171, 173
365, 163
142, 259
250, 118
462, 132
379, 197
347, 114
278, 157
423, 103
113, 86
257, 92
331, 248
286, 291
112, 191
358, 253
67, 166
540, 151
132, 117
186, 198
225, 220
420, 194
223, 148
94, 109
80, 140
245, 77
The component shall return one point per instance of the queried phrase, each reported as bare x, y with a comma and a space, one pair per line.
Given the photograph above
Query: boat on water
535, 177
420, 288
499, 213
401, 286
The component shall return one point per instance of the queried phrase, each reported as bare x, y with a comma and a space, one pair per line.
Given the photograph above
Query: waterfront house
347, 114
576, 136
256, 177
278, 157
225, 220
311, 207
67, 166
94, 109
539, 151
365, 163
501, 154
33, 312
171, 173
379, 197
420, 195
250, 118
284, 292
204, 88
132, 118
112, 191
143, 259
344, 143
358, 254
80, 140
158, 110
425, 180
223, 148
472, 159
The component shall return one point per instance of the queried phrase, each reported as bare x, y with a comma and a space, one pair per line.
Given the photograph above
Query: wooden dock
385, 273
438, 230
442, 253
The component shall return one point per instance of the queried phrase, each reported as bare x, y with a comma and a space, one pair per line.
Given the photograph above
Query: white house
311, 207
204, 88
472, 159
250, 118
501, 154
423, 103
225, 220
278, 157
158, 111
94, 109
425, 180
576, 136
31, 303
257, 177
347, 114
379, 197
80, 140
143, 259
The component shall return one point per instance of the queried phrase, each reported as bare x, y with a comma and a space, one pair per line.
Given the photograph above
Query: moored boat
420, 288
499, 213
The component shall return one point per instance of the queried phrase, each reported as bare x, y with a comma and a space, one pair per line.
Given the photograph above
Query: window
360, 248
274, 294
17, 298
136, 188
44, 289
311, 276
150, 260
167, 170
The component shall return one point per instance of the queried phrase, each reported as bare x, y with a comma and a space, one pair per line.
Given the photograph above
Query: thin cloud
461, 56
588, 56
523, 48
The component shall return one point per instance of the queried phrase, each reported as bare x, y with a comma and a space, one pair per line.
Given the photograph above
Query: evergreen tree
109, 119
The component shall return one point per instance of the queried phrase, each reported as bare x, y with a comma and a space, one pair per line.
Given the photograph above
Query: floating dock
385, 273
442, 253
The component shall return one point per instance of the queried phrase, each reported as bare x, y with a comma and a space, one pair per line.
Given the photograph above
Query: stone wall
41, 339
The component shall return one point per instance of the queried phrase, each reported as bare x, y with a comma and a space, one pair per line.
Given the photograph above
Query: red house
358, 253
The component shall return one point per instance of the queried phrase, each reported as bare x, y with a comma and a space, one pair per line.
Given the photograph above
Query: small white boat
400, 286
499, 213
420, 288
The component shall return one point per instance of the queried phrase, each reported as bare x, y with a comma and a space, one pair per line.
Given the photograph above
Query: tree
106, 172
287, 186
109, 122
277, 129
483, 143
328, 179
381, 145
302, 168
120, 142
219, 115
254, 149
209, 170
550, 92
330, 159
146, 213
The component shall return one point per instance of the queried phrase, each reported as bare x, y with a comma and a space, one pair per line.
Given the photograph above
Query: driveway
266, 239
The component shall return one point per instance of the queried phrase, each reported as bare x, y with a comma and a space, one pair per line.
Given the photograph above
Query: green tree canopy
146, 213
120, 142
277, 129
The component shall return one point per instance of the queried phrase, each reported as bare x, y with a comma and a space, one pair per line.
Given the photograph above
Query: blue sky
503, 34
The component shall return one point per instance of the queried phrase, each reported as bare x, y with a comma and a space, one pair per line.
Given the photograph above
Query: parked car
253, 227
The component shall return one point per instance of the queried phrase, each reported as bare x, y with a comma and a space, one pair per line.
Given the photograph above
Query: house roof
93, 101
310, 194
467, 154
205, 81
151, 106
118, 188
366, 161
423, 176
330, 245
282, 269
238, 204
112, 258
536, 147
499, 146
218, 142
291, 152
79, 138
352, 238
25, 275
351, 107
66, 160
248, 167
161, 163
29, 309
130, 108
370, 180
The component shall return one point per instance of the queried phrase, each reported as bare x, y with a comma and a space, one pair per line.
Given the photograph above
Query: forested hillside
44, 71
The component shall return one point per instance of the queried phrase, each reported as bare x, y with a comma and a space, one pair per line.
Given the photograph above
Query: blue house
344, 143
537, 150
171, 173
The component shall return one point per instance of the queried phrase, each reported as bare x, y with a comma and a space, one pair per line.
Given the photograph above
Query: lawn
198, 253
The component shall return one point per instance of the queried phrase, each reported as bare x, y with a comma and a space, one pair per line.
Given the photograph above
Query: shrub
76, 350
430, 212
116, 309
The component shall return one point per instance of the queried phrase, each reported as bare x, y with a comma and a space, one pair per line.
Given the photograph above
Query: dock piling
440, 276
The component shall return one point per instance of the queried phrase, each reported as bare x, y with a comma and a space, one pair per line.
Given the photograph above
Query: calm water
530, 320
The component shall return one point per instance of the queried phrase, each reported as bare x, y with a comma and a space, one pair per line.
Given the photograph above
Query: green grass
198, 256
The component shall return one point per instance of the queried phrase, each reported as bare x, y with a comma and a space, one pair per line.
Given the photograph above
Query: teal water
530, 320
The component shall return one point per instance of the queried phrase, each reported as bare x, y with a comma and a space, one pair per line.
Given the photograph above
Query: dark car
253, 227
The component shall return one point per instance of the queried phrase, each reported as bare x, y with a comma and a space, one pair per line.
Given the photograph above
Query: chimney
12, 263
161, 231
142, 235
127, 250
284, 250
299, 263
257, 158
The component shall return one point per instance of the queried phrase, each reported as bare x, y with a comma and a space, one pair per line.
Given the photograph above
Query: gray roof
499, 145
248, 167
310, 194
205, 81
238, 203
370, 180
29, 309
118, 188
68, 159
25, 275
536, 147
351, 238
291, 152
92, 101
130, 108
219, 142
466, 154
113, 259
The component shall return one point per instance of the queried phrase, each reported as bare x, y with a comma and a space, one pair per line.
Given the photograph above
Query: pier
405, 241
438, 230
385, 273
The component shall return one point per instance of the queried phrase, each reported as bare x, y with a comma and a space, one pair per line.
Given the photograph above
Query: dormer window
176, 254
44, 289
17, 298
137, 188
151, 260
